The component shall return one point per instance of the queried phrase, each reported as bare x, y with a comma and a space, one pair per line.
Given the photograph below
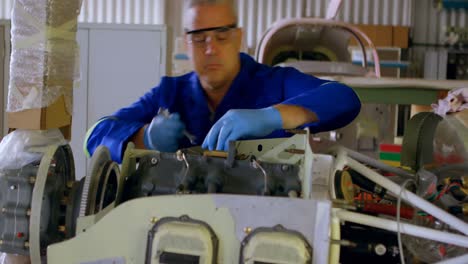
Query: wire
265, 176
438, 195
181, 157
400, 245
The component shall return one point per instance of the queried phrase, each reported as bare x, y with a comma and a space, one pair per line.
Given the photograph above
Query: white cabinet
119, 63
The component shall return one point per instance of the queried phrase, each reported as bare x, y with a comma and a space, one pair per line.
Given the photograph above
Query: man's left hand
241, 124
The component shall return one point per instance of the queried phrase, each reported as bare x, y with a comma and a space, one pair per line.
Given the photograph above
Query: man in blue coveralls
228, 97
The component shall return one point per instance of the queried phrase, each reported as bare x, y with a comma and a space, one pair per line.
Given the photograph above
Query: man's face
214, 52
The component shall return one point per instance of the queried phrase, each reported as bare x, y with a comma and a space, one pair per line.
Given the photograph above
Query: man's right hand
163, 133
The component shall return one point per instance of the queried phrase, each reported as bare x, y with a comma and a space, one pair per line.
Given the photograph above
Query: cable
257, 165
408, 229
456, 260
400, 245
180, 155
410, 197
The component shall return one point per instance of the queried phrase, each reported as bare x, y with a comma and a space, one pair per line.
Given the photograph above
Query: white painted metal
430, 23
111, 11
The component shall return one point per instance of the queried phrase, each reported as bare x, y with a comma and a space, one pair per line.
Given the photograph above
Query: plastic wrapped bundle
44, 61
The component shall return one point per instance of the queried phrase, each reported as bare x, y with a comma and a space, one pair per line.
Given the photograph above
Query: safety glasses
200, 37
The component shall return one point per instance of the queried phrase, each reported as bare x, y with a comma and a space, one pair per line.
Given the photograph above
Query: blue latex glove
164, 132
241, 124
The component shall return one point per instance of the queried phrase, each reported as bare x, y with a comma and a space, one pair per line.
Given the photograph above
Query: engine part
428, 250
16, 188
172, 173
418, 148
39, 204
181, 240
275, 245
344, 188
101, 184
232, 218
372, 245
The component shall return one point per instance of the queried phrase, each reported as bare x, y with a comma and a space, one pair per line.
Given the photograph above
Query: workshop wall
429, 23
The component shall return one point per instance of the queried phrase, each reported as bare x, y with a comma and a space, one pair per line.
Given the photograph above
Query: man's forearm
294, 116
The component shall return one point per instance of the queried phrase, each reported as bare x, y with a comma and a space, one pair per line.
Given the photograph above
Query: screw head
380, 249
292, 193
179, 155
154, 161
69, 184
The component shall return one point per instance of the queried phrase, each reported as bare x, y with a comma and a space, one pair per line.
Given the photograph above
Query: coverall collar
237, 92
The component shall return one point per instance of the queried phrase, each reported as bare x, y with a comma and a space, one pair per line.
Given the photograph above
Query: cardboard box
400, 37
380, 35
47, 66
384, 36
53, 116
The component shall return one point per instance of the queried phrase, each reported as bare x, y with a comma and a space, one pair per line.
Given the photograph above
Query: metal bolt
32, 180
335, 136
380, 249
13, 187
292, 194
70, 184
154, 161
4, 210
28, 212
154, 220
254, 165
247, 230
147, 187
295, 151
285, 167
179, 155
26, 244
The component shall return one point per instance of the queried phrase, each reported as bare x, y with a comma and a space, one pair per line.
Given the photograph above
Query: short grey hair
192, 3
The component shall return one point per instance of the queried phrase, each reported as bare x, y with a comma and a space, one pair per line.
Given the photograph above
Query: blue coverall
255, 86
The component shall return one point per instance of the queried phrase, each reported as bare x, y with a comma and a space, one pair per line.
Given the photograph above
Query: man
228, 97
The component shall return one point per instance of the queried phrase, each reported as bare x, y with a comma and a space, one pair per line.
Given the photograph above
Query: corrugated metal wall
430, 23
123, 11
256, 15
111, 11
427, 21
